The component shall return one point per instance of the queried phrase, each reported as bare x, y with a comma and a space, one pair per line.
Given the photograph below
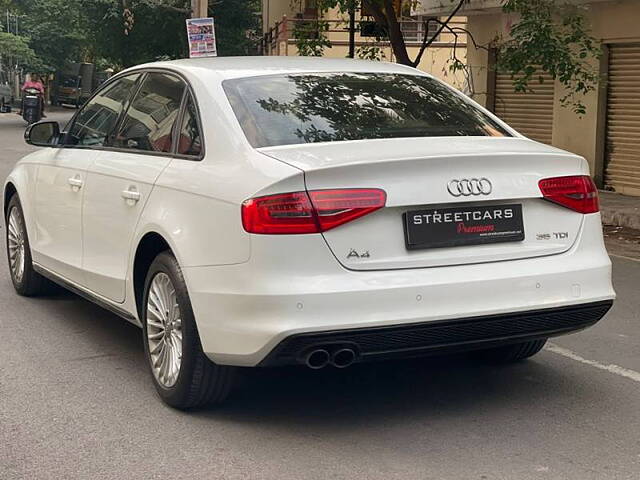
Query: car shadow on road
407, 389
80, 316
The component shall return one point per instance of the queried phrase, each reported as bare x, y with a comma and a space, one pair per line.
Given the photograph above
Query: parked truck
74, 85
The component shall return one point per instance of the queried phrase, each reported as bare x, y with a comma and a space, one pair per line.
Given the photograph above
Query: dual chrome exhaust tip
321, 357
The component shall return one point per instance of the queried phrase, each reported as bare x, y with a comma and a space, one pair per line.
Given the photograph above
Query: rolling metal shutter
622, 172
530, 113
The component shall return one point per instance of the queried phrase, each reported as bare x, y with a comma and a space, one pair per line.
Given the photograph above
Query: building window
307, 9
414, 28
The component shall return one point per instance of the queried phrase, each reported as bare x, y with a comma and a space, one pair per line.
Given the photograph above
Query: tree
237, 26
122, 33
550, 34
136, 31
387, 15
55, 30
130, 32
15, 51
16, 54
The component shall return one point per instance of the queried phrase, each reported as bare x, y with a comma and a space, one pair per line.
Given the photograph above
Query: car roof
236, 67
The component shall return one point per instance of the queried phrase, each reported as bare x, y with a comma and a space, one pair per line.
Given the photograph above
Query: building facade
283, 18
608, 136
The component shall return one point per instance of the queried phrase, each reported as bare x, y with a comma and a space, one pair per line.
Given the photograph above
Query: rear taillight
578, 193
309, 212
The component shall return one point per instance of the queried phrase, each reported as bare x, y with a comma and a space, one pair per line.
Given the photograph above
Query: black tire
512, 353
32, 283
200, 381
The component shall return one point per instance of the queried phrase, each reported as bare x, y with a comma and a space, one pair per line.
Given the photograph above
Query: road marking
611, 368
633, 259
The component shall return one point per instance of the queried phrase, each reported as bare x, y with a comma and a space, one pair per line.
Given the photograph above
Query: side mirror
42, 134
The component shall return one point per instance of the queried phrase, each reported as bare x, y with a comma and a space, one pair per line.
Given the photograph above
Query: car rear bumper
293, 287
441, 336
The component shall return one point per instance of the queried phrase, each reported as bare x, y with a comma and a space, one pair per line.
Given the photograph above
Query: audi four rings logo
470, 186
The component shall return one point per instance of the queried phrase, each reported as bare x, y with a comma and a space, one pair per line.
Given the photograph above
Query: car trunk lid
416, 174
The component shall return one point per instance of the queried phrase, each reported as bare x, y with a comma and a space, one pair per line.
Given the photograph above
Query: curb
620, 219
619, 210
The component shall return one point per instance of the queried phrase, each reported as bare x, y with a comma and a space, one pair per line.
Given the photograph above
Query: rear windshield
302, 108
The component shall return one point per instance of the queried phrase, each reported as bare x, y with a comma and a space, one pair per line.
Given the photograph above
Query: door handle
131, 195
76, 183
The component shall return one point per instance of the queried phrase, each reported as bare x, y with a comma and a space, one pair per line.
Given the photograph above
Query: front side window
190, 140
97, 119
307, 108
149, 122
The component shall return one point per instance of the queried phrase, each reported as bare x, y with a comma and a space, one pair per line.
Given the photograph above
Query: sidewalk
620, 210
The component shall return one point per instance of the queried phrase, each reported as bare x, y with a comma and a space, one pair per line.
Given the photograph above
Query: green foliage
237, 26
135, 32
15, 50
550, 34
310, 37
54, 28
138, 31
554, 36
370, 52
387, 15
456, 65
121, 33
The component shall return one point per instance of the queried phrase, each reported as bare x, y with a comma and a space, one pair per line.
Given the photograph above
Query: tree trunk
389, 19
395, 35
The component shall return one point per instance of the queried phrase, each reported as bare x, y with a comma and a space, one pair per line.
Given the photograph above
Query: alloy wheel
164, 330
15, 244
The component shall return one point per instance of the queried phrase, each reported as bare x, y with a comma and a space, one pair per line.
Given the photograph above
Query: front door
61, 181
57, 245
120, 182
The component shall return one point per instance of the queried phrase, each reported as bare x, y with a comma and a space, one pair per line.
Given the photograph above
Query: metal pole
199, 8
352, 31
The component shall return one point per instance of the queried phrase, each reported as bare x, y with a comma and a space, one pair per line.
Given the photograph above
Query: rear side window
307, 108
190, 139
148, 124
98, 117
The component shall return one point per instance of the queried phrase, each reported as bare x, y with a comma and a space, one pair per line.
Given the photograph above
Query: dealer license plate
458, 226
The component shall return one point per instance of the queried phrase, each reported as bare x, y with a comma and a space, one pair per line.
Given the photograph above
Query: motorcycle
31, 105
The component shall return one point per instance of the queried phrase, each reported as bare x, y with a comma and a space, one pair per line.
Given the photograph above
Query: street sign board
202, 37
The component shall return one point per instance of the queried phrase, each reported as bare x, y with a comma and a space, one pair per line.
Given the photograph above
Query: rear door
121, 179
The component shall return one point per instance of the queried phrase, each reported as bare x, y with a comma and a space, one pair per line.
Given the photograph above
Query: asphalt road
76, 401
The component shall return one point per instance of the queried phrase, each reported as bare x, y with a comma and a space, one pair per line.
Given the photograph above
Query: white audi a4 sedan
250, 212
